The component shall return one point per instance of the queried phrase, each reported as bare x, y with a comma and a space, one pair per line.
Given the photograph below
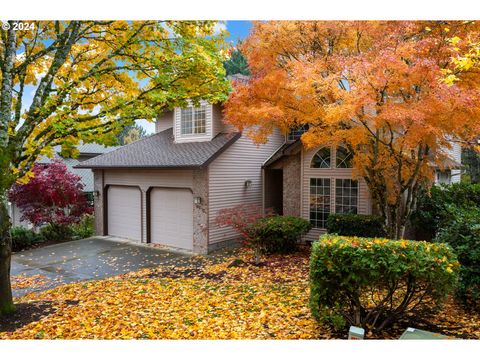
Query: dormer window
193, 121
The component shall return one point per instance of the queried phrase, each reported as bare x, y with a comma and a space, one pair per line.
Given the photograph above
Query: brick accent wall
200, 212
291, 185
98, 201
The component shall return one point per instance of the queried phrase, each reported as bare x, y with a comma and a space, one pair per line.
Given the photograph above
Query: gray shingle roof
86, 150
90, 148
159, 151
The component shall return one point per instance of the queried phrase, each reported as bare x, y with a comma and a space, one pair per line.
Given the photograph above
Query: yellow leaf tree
377, 87
90, 79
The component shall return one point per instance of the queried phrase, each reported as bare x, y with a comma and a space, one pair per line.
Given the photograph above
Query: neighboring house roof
447, 164
239, 77
160, 151
94, 149
86, 150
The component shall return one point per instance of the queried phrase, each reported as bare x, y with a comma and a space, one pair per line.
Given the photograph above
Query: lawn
206, 299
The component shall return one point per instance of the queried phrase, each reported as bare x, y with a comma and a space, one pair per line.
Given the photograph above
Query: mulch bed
26, 313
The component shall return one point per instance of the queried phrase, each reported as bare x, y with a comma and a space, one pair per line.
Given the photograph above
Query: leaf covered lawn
204, 299
210, 301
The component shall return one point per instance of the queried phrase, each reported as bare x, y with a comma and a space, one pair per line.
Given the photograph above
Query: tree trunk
6, 300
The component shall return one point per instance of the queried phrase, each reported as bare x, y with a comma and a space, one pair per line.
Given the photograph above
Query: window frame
296, 133
194, 124
322, 160
348, 158
343, 196
332, 206
326, 204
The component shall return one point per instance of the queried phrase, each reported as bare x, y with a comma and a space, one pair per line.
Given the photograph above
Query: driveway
93, 258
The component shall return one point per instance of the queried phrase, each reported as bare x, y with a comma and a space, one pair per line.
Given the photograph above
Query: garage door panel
124, 212
171, 214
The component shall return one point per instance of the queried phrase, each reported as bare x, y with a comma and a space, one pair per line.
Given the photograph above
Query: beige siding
364, 203
217, 120
16, 215
456, 154
227, 175
149, 178
164, 121
179, 138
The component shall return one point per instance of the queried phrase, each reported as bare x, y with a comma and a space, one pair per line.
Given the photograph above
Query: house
169, 187
86, 152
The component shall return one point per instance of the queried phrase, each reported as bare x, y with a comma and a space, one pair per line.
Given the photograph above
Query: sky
238, 31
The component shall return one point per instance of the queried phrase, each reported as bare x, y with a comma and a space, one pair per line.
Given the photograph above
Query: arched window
344, 158
322, 159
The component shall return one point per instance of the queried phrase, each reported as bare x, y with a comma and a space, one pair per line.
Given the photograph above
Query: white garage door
124, 212
171, 216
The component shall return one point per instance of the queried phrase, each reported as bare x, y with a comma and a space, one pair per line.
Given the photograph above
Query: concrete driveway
93, 258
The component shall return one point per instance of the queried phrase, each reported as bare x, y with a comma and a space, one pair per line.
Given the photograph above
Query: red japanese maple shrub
53, 196
241, 218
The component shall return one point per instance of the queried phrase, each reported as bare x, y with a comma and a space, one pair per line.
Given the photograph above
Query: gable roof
160, 151
286, 149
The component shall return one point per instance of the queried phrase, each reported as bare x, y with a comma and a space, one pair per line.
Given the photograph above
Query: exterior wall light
96, 193
197, 200
248, 183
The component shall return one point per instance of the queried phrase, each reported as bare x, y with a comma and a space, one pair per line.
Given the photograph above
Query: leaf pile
229, 298
22, 281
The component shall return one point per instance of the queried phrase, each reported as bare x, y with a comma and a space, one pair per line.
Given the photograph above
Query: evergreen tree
236, 64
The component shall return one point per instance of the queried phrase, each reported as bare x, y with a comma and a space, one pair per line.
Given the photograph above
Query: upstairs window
344, 158
296, 133
322, 159
193, 121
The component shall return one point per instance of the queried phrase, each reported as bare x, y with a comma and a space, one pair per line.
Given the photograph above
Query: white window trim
333, 193
194, 110
177, 124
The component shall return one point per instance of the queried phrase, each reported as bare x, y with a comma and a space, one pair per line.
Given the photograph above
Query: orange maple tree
377, 87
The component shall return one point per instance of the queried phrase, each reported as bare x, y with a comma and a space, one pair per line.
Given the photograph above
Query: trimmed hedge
370, 283
277, 234
23, 238
355, 225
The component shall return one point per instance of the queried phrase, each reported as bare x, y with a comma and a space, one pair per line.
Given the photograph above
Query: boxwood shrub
355, 225
277, 234
371, 282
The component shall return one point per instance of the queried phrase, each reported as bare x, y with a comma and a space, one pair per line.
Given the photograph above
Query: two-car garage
168, 215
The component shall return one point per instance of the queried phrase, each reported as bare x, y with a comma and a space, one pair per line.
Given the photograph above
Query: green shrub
463, 235
56, 232
436, 208
277, 234
355, 225
371, 283
23, 238
85, 228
